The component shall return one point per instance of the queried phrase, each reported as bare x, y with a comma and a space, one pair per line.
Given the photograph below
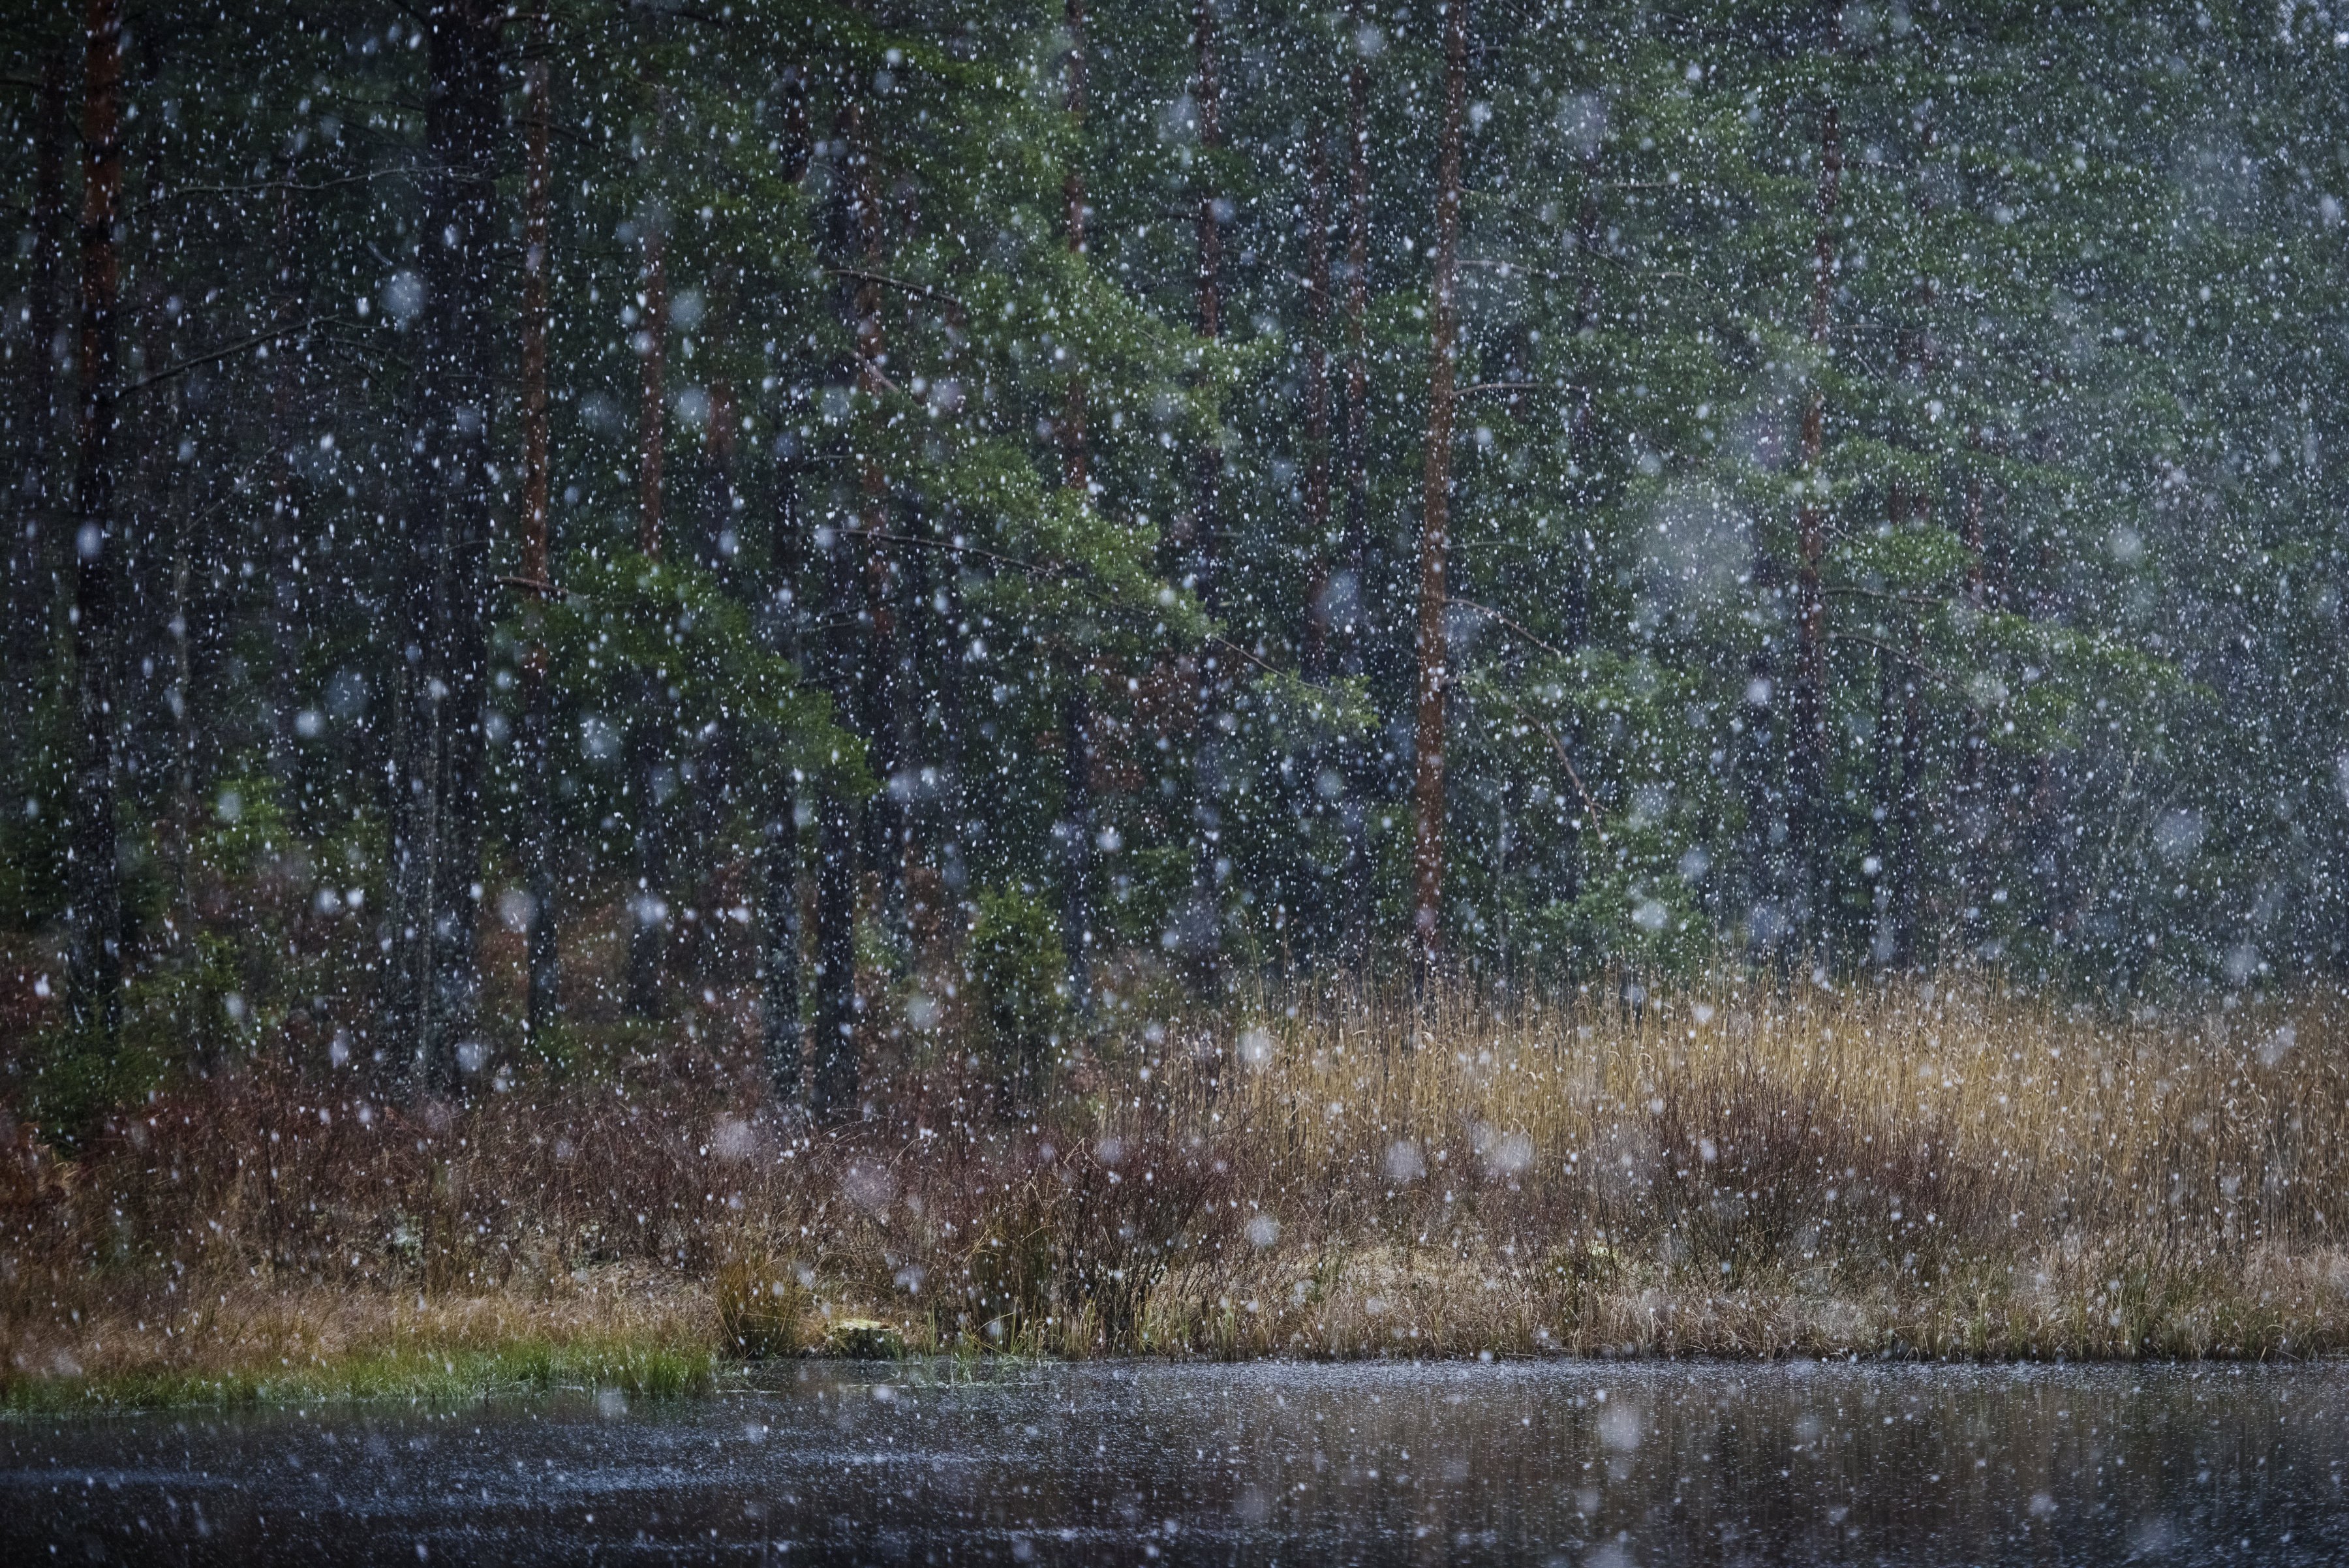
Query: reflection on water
1572, 1463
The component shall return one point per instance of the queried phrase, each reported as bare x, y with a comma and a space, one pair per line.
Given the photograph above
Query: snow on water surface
1591, 1463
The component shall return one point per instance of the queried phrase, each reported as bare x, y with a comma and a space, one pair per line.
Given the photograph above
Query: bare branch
919, 291
272, 336
1504, 620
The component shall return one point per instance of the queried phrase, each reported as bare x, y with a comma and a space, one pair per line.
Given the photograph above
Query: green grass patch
644, 1370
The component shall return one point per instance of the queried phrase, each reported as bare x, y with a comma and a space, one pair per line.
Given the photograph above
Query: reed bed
1734, 1167
1814, 1109
1748, 1168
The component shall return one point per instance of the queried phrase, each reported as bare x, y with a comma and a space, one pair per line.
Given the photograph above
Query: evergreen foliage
1894, 513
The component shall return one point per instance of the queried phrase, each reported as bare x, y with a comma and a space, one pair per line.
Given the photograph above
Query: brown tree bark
1321, 609
543, 948
1355, 883
648, 756
432, 988
780, 1029
648, 910
1202, 944
153, 602
93, 912
1904, 861
1427, 784
1076, 467
889, 696
708, 776
720, 542
1317, 404
854, 236
1074, 829
1584, 426
1974, 795
284, 543
652, 409
799, 133
1210, 101
1908, 843
834, 1067
1807, 736
31, 588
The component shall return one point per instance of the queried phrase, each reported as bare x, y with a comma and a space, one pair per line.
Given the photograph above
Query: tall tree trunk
142, 659
852, 232
151, 602
650, 778
1881, 826
432, 992
1076, 469
1904, 861
1807, 725
1583, 432
1355, 884
1317, 404
652, 395
284, 546
1427, 784
778, 901
782, 1022
32, 601
713, 768
887, 696
798, 131
1908, 843
1759, 786
781, 1026
1210, 102
888, 844
832, 1088
946, 646
94, 916
648, 910
1328, 891
1973, 791
1884, 825
720, 542
1204, 939
544, 953
1074, 829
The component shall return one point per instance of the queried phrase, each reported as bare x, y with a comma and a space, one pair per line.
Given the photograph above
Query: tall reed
1738, 1166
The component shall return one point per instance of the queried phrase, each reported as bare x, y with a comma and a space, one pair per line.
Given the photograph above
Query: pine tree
1428, 783
432, 988
94, 913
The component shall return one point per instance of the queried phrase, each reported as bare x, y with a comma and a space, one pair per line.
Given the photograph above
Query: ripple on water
1596, 1463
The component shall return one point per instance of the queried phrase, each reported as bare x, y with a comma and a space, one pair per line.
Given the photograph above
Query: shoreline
1936, 1172
666, 1338
663, 1374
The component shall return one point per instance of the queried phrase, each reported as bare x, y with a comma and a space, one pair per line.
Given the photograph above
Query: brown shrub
1737, 1167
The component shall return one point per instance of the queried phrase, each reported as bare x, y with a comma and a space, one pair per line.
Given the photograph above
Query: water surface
1602, 1464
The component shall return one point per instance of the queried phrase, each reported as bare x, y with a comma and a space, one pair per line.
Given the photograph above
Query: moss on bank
1373, 1303
417, 1374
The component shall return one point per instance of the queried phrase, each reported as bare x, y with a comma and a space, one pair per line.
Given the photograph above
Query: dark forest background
850, 527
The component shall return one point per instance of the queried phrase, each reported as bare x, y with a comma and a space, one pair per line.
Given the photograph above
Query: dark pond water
1599, 1464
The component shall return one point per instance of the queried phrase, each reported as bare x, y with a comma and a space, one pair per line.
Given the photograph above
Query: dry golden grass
1743, 1167
250, 1325
2187, 1136
1737, 1167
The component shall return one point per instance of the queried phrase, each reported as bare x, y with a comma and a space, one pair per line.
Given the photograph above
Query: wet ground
1601, 1464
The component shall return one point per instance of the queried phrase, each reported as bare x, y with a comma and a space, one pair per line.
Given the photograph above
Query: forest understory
670, 674
1742, 1166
